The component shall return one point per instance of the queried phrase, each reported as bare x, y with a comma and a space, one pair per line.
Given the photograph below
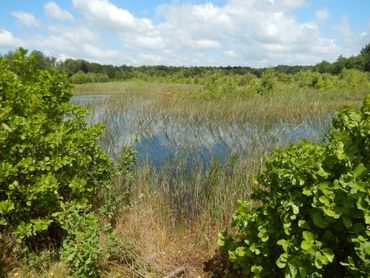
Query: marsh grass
191, 102
174, 216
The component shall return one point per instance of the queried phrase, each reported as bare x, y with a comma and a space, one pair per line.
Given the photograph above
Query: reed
177, 211
190, 102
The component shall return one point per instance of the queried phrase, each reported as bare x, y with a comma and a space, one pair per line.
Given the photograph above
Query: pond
164, 141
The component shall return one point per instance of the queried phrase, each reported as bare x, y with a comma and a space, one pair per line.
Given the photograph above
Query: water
162, 141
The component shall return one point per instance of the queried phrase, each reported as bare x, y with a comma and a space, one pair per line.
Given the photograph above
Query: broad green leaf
319, 219
282, 260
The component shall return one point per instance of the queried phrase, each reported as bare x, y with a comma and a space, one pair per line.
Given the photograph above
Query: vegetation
51, 169
67, 209
309, 213
81, 71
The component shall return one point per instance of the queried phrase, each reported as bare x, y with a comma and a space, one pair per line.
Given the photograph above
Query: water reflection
163, 140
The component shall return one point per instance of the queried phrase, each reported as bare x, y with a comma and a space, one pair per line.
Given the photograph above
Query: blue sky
221, 32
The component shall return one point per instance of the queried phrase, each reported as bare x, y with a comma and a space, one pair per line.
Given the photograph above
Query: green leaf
282, 260
303, 224
319, 219
263, 235
308, 241
240, 251
283, 243
359, 171
328, 253
347, 222
256, 269
291, 271
307, 235
6, 207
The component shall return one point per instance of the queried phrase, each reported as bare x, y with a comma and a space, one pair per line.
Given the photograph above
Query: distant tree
42, 61
324, 67
70, 66
365, 53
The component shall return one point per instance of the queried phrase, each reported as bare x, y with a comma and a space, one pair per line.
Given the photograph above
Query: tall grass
175, 215
191, 102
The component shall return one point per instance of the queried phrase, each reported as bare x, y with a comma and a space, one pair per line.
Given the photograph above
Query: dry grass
164, 237
190, 102
136, 88
162, 248
56, 270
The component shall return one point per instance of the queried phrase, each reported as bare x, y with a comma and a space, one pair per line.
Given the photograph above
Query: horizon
256, 33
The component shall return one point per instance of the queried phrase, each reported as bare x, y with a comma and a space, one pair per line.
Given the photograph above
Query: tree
42, 61
50, 164
365, 53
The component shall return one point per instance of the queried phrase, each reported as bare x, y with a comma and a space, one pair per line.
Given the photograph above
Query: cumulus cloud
53, 11
26, 19
74, 42
240, 32
147, 41
294, 3
257, 31
230, 53
107, 16
7, 40
351, 42
322, 14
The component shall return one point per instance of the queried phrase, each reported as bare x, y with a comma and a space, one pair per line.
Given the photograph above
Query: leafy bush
81, 247
267, 82
50, 164
354, 79
310, 211
80, 77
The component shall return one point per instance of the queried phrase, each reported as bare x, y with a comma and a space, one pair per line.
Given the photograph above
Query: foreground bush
310, 212
50, 165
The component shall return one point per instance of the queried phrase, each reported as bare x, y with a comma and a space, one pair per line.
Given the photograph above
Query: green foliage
81, 77
267, 82
310, 210
353, 79
50, 164
116, 194
81, 248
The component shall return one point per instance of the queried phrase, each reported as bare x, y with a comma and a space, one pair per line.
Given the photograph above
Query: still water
162, 141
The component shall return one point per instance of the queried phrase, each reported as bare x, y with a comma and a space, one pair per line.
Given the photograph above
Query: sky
256, 33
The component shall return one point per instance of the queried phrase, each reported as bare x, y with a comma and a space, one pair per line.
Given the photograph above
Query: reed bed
176, 210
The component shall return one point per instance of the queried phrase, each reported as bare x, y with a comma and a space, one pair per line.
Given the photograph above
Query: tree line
82, 71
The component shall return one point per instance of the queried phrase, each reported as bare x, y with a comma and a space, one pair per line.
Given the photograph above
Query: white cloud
52, 10
7, 40
105, 15
74, 42
294, 3
150, 58
245, 32
351, 42
26, 19
322, 14
148, 41
230, 53
256, 30
205, 44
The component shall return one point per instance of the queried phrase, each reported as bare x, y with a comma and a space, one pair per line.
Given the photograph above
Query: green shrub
89, 77
310, 211
268, 81
81, 247
50, 164
353, 79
